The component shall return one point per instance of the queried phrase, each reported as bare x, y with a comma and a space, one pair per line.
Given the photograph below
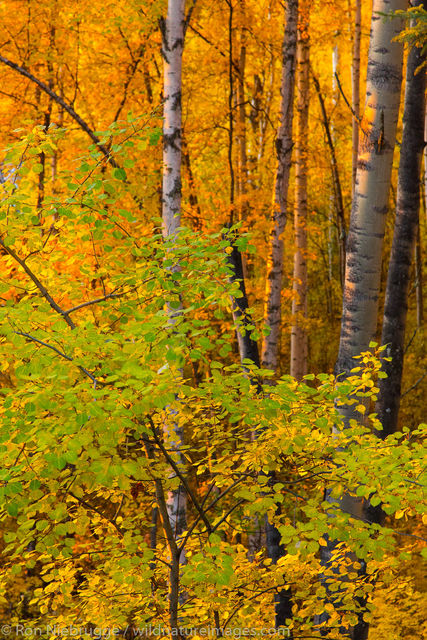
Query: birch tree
172, 48
404, 239
299, 338
284, 144
370, 203
367, 223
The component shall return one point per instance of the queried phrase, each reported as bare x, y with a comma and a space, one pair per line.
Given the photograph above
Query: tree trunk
248, 347
242, 182
367, 224
299, 338
355, 82
284, 155
332, 198
370, 204
172, 48
404, 240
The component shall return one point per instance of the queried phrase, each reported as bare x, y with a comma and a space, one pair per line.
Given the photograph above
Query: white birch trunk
284, 143
371, 197
299, 338
367, 224
172, 49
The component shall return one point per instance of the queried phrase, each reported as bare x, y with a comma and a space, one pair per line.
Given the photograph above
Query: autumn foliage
115, 337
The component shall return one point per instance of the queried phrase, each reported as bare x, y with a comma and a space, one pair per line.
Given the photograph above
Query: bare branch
108, 296
38, 284
64, 105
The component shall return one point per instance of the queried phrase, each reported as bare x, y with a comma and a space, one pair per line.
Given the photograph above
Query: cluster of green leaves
415, 34
92, 370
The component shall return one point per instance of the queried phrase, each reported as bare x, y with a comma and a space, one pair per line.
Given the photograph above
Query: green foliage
415, 35
86, 402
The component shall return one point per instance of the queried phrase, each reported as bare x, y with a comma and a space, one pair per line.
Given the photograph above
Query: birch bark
370, 203
367, 224
172, 49
272, 312
299, 338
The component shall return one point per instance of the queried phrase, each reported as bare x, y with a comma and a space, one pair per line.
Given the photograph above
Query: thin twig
188, 17
63, 355
109, 296
92, 508
415, 384
355, 116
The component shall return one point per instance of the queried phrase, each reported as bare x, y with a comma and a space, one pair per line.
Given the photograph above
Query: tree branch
181, 476
64, 105
38, 284
63, 355
109, 296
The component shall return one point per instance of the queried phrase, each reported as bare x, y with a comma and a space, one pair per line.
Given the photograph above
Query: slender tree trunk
284, 145
46, 124
332, 198
355, 81
265, 114
241, 121
404, 240
192, 196
172, 49
299, 338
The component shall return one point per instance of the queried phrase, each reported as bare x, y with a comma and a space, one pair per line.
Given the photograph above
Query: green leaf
12, 509
119, 174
